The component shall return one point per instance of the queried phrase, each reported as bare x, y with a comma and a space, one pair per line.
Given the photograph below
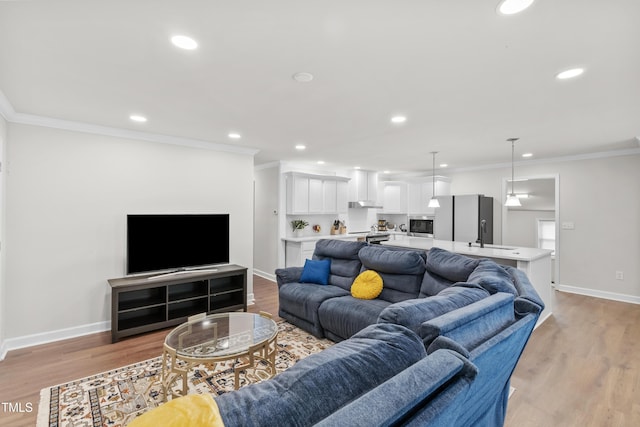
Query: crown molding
10, 115
546, 161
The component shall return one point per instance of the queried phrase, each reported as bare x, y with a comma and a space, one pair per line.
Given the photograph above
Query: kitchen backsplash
324, 221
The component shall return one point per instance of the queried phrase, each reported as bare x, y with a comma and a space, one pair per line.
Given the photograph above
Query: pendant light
512, 200
433, 202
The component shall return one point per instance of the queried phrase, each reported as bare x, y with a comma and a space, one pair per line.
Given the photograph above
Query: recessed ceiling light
527, 155
184, 42
356, 167
138, 118
511, 7
301, 147
386, 172
570, 73
303, 77
321, 162
398, 119
443, 165
234, 135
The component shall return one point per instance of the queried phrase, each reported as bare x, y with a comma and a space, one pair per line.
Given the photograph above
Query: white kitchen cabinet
297, 252
342, 196
419, 193
330, 196
364, 186
394, 197
297, 194
315, 194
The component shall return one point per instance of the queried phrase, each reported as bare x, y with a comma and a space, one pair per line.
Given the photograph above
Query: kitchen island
535, 263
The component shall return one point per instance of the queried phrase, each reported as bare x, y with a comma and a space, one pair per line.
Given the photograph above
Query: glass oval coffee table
221, 337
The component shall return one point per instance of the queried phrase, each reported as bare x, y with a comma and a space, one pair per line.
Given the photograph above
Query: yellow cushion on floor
194, 410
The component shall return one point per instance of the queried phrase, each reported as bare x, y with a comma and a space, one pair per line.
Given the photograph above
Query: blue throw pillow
316, 271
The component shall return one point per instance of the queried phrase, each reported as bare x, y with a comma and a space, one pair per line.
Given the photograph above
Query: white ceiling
466, 77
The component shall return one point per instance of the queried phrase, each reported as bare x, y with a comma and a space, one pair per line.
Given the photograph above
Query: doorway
537, 222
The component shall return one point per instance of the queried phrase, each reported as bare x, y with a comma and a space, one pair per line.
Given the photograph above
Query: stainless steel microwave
421, 226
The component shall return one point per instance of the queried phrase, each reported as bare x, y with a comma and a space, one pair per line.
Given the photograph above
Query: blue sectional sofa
437, 347
417, 287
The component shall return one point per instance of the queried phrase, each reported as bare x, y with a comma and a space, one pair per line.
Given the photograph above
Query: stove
372, 237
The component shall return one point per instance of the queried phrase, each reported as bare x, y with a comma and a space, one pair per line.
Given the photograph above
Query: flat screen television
160, 242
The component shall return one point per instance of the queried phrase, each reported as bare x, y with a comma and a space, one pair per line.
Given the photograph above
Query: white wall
68, 194
266, 236
522, 227
3, 139
601, 196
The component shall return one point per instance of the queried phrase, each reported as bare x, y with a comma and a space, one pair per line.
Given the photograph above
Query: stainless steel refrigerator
459, 218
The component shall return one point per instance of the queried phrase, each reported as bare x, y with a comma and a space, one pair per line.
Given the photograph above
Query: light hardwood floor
580, 368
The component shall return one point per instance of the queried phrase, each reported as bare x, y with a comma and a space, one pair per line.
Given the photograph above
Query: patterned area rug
116, 397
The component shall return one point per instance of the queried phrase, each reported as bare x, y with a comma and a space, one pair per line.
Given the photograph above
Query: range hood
363, 204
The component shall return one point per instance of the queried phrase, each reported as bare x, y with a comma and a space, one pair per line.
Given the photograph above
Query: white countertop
489, 251
315, 237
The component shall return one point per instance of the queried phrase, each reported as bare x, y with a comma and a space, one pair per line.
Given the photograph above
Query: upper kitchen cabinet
316, 194
419, 193
363, 186
394, 197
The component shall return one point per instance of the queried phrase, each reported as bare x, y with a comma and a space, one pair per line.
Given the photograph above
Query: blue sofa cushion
429, 393
451, 266
319, 384
344, 316
445, 268
401, 271
316, 271
383, 260
345, 264
303, 300
492, 277
412, 313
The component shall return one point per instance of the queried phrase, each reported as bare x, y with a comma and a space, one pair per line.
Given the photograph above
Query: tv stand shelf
149, 302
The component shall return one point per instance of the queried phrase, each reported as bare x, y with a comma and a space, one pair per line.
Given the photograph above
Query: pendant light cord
433, 175
513, 141
512, 167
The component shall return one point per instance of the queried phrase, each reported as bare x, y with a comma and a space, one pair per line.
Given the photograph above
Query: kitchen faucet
483, 230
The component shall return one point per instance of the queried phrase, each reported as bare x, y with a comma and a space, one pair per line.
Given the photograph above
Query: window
547, 234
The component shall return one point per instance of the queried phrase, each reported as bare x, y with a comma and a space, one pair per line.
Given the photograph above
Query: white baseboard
51, 336
264, 275
3, 350
599, 294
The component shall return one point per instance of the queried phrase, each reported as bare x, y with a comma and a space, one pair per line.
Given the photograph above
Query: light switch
568, 226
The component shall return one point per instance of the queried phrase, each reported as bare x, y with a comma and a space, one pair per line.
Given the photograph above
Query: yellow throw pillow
193, 410
368, 285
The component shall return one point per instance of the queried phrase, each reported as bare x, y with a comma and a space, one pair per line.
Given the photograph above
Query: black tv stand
150, 301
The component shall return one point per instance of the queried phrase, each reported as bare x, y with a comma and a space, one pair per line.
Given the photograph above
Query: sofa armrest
471, 325
528, 300
288, 275
429, 392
